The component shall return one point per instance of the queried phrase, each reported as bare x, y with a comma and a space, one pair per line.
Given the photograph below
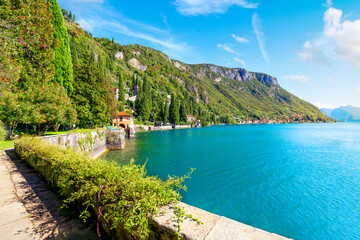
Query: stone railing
94, 143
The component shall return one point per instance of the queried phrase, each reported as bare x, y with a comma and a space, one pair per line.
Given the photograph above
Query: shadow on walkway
43, 205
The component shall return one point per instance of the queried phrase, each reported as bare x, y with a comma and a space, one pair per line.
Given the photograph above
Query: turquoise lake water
301, 181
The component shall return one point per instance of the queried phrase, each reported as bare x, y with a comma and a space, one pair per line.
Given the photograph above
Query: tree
121, 88
74, 17
64, 12
30, 44
145, 104
174, 116
138, 100
62, 61
166, 112
183, 111
28, 40
91, 96
135, 82
70, 15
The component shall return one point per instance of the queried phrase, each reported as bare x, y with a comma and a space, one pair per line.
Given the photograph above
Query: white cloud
357, 90
330, 79
168, 43
256, 23
297, 78
205, 7
328, 3
164, 18
324, 105
339, 40
88, 26
309, 52
240, 39
346, 35
172, 47
227, 48
242, 62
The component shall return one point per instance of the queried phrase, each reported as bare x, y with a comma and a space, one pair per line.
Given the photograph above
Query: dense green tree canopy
28, 93
89, 96
63, 64
174, 116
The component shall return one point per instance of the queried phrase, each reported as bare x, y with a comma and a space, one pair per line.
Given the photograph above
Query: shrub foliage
121, 196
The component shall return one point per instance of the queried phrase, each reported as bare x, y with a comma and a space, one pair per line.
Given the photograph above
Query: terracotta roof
123, 114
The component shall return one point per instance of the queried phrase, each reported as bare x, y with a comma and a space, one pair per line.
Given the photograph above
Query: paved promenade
29, 210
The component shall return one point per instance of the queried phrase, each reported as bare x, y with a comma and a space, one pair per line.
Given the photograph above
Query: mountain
343, 113
211, 93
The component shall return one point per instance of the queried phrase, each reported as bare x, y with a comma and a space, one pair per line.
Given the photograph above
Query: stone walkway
29, 210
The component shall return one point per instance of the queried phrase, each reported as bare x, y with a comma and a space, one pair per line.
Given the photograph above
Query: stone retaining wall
182, 126
115, 139
94, 143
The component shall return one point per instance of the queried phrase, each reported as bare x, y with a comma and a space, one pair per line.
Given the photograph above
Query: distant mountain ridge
343, 113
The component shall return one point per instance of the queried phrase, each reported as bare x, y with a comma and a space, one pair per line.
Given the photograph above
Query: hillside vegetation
212, 93
44, 85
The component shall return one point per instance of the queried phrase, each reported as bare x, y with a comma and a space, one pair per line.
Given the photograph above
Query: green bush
3, 132
121, 196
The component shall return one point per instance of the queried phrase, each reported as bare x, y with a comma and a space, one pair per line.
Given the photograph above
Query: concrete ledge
227, 228
215, 227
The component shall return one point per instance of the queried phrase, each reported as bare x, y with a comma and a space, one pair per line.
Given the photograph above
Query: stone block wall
115, 139
93, 143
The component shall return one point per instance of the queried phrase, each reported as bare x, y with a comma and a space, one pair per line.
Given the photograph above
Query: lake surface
301, 181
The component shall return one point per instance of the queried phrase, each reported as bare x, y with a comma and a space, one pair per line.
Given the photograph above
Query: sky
311, 46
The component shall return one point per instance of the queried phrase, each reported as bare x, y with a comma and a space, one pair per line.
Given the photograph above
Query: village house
191, 119
124, 120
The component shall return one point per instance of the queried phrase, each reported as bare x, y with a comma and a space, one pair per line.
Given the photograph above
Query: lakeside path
28, 209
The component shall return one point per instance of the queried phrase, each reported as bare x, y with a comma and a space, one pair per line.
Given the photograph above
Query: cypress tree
74, 17
70, 15
91, 96
134, 81
174, 116
62, 61
121, 88
183, 111
146, 100
166, 112
138, 100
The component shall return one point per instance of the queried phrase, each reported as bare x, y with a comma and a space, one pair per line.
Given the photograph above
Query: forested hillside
54, 73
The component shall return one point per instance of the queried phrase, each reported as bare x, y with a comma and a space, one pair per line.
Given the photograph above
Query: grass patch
6, 145
49, 133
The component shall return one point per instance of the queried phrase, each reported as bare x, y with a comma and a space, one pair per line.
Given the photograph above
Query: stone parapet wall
152, 128
182, 126
93, 143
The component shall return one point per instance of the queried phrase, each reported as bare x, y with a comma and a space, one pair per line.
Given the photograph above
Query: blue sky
311, 46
